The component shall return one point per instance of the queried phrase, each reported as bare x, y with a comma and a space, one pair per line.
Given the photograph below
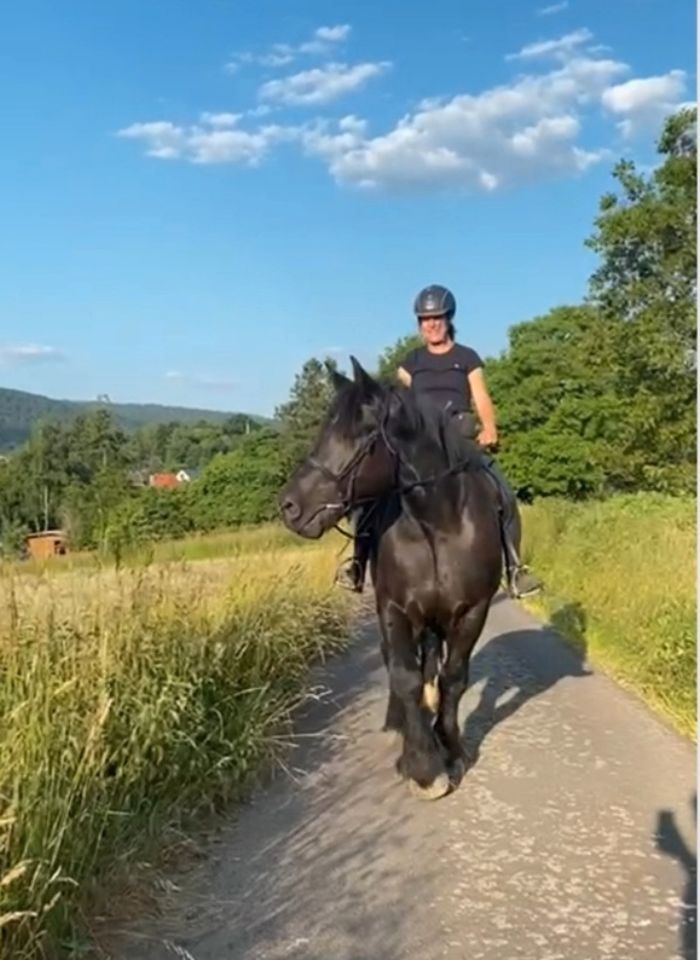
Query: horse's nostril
290, 508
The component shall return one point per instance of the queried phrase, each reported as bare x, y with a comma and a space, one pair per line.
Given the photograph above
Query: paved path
571, 838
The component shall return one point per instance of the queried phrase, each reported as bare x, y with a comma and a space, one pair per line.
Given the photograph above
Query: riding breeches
507, 504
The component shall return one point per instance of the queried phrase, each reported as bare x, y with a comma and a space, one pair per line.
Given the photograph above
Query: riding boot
350, 574
521, 582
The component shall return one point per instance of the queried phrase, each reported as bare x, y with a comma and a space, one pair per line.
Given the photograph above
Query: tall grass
131, 699
621, 579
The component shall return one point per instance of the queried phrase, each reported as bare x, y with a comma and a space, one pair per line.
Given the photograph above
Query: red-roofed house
163, 481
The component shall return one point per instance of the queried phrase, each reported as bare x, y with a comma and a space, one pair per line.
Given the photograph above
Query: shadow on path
521, 665
670, 841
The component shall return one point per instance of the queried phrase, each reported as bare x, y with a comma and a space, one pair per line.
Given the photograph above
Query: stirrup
349, 576
531, 586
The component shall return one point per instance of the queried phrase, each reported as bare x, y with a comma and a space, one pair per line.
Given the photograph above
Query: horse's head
349, 462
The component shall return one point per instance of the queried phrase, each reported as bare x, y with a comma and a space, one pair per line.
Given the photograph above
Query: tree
392, 358
645, 290
551, 407
240, 487
301, 416
601, 398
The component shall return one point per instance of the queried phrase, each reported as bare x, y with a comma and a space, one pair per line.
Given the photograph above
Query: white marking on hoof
438, 788
431, 696
393, 737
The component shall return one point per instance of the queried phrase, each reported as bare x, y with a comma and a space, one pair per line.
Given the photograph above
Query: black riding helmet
435, 301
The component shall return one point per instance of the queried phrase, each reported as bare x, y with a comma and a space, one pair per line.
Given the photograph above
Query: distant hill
19, 411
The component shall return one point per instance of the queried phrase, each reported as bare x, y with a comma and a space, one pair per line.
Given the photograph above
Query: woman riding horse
452, 377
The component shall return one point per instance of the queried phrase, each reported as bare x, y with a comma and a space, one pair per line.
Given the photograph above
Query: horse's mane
407, 417
425, 419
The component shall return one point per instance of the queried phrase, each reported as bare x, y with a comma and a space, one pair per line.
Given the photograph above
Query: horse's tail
431, 648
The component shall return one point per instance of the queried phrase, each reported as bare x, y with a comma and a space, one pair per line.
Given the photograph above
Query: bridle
349, 471
352, 468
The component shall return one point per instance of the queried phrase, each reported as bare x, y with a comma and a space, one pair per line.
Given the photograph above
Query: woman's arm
403, 376
485, 409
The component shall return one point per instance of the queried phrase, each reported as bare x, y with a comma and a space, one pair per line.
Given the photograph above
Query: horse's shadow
524, 664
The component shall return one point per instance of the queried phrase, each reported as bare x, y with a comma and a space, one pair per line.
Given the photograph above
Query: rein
352, 468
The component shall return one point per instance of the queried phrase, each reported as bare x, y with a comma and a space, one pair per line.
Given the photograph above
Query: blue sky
198, 198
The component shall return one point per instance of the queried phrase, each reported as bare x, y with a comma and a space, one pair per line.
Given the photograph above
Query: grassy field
132, 699
229, 543
621, 580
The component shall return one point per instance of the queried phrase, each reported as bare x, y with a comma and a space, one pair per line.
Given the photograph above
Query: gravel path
571, 838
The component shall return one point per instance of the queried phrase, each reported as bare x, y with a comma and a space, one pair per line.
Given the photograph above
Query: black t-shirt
443, 377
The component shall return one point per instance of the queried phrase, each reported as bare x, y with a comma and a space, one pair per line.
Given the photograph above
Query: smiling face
434, 331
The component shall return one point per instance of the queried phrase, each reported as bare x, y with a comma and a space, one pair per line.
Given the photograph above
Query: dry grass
132, 699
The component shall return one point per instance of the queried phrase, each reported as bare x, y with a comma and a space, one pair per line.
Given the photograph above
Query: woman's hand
488, 438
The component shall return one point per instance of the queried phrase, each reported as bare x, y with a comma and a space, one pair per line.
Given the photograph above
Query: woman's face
434, 330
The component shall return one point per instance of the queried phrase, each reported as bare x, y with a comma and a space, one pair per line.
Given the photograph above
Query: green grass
130, 700
620, 580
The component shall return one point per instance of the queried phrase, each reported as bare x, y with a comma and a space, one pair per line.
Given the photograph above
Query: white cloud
203, 145
280, 56
334, 34
20, 354
322, 84
262, 110
165, 140
552, 9
533, 126
204, 382
323, 40
220, 119
643, 102
484, 141
561, 48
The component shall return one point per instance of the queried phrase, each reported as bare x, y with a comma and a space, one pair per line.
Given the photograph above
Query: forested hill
20, 410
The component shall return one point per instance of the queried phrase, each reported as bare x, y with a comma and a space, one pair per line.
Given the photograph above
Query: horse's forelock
349, 411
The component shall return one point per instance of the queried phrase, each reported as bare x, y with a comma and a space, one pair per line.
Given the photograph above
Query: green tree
301, 416
551, 407
645, 290
240, 487
391, 359
601, 398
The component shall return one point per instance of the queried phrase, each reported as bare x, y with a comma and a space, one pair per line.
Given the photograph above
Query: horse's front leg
421, 759
453, 682
395, 717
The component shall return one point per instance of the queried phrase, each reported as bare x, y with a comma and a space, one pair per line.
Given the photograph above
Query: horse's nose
291, 510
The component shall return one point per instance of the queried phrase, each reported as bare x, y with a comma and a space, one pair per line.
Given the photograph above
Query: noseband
350, 470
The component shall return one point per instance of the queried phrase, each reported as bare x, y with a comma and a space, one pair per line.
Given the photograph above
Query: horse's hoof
457, 771
438, 788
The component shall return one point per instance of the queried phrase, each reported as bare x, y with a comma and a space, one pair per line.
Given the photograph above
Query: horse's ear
368, 385
338, 380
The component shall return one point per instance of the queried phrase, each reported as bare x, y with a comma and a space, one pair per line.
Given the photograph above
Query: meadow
621, 581
132, 700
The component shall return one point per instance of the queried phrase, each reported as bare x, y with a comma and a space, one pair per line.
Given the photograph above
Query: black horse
435, 561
